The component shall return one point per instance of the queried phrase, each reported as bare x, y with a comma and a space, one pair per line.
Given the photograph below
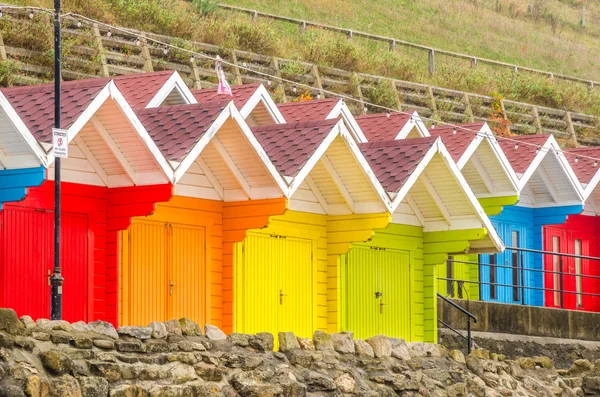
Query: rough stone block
214, 333
141, 333
362, 348
343, 342
287, 341
381, 344
322, 340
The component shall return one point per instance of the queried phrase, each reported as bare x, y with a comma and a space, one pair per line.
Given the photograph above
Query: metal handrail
470, 317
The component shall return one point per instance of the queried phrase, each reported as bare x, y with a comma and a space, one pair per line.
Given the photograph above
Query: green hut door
377, 292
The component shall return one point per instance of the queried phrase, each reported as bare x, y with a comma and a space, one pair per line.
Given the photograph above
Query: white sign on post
60, 143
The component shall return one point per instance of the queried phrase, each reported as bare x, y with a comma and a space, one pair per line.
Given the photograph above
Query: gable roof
585, 168
522, 156
176, 129
289, 146
317, 109
390, 126
139, 89
457, 139
241, 94
394, 161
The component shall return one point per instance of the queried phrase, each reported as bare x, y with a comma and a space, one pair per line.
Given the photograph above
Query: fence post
571, 129
468, 111
432, 103
536, 119
531, 7
254, 16
197, 82
431, 62
498, 5
393, 45
393, 86
314, 70
98, 39
2, 48
146, 55
280, 85
236, 69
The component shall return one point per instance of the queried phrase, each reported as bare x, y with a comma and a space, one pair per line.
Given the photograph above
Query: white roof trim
230, 111
341, 109
551, 145
591, 186
414, 121
262, 95
22, 129
175, 82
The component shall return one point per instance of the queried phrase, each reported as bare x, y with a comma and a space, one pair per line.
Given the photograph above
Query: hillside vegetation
548, 39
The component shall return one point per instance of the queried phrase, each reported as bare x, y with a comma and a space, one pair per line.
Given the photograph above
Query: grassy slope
458, 25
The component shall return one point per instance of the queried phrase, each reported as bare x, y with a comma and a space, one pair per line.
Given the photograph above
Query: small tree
205, 7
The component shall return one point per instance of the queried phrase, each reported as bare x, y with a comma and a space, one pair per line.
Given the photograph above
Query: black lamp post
57, 279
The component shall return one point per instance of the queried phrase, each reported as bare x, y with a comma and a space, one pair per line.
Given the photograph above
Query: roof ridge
373, 115
311, 102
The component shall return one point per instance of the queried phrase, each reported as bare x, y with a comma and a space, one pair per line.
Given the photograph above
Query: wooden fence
97, 53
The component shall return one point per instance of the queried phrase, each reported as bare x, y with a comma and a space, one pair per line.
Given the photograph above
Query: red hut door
26, 261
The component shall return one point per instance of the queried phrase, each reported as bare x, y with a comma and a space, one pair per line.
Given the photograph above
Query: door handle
171, 285
381, 305
281, 295
49, 276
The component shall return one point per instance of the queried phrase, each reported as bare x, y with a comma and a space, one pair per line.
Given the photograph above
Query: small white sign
60, 143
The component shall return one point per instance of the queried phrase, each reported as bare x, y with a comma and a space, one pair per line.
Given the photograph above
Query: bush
8, 71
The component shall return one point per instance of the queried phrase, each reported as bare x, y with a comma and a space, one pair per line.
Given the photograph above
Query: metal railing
470, 317
559, 284
393, 42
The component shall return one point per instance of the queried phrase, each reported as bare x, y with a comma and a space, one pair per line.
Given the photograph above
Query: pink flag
224, 87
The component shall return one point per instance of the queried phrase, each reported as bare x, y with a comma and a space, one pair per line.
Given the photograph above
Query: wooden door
74, 264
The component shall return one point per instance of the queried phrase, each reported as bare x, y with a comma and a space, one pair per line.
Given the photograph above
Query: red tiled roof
139, 89
289, 146
584, 168
380, 127
241, 94
176, 129
307, 110
521, 158
394, 161
35, 104
457, 141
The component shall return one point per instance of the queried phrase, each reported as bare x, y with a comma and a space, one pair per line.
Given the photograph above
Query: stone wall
178, 359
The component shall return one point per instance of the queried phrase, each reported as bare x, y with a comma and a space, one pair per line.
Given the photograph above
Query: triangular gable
585, 165
545, 178
325, 169
160, 89
253, 101
322, 109
428, 189
100, 125
480, 158
390, 126
213, 151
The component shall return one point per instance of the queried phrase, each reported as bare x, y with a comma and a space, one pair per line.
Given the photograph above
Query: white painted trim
437, 200
232, 166
415, 209
414, 121
22, 129
3, 159
211, 177
262, 95
338, 183
91, 158
530, 194
175, 82
483, 174
469, 152
114, 148
549, 185
87, 114
341, 109
423, 131
315, 190
164, 165
493, 143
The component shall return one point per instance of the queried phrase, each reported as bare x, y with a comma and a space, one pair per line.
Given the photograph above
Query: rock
103, 328
214, 333
458, 390
317, 382
66, 386
526, 363
141, 333
159, 330
544, 362
132, 346
128, 391
263, 341
28, 322
109, 371
238, 339
400, 349
173, 327
305, 343
93, 386
80, 326
182, 373
362, 348
189, 328
11, 391
41, 336
482, 354
209, 372
475, 365
207, 390
82, 343
37, 387
287, 341
580, 367
345, 383
422, 349
458, 356
56, 362
322, 340
104, 344
382, 346
591, 385
9, 321
343, 342
53, 325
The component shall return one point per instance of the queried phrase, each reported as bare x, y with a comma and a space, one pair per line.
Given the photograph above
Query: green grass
543, 40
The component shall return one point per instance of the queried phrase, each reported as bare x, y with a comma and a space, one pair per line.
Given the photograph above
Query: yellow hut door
274, 285
377, 292
163, 273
